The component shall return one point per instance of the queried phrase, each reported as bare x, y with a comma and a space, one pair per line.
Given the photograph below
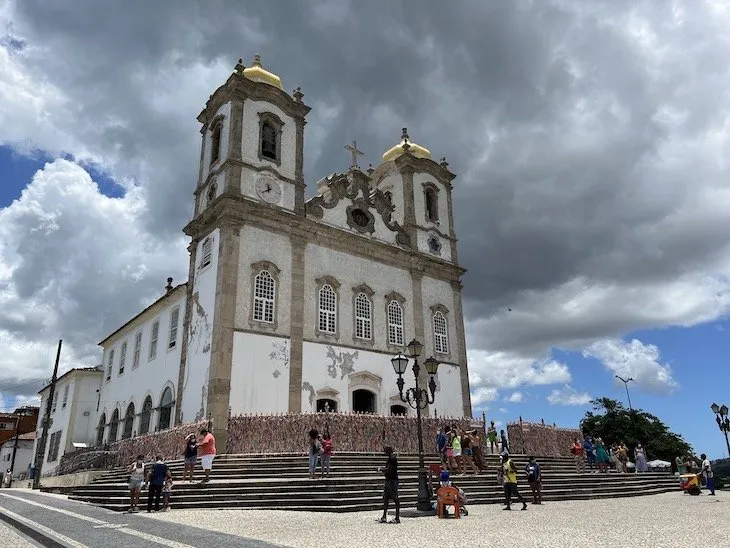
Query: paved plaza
669, 520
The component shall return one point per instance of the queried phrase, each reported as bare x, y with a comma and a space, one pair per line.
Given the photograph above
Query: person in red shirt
206, 451
579, 456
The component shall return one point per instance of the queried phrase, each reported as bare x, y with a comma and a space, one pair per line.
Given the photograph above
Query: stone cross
355, 153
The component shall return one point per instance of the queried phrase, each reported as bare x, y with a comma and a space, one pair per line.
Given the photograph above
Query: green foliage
612, 422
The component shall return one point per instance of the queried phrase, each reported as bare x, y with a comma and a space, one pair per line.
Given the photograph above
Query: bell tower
253, 141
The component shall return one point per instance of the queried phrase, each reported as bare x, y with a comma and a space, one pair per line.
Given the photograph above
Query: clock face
268, 189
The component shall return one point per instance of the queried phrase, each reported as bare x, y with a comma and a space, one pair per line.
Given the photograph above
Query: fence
540, 439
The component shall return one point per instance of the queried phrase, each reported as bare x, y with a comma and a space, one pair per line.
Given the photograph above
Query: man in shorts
206, 450
390, 492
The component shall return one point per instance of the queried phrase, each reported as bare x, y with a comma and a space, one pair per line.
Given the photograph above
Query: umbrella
659, 464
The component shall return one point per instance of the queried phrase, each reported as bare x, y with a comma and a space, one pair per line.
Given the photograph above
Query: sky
590, 138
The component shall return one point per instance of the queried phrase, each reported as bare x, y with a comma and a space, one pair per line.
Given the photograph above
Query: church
292, 304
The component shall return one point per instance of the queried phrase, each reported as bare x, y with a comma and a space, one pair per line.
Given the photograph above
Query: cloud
482, 395
515, 397
589, 140
568, 396
502, 409
637, 360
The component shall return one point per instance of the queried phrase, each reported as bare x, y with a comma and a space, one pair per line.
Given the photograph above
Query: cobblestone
671, 520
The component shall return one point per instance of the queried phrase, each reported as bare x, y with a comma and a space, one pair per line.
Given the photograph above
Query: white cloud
634, 359
508, 370
515, 397
502, 409
568, 396
482, 395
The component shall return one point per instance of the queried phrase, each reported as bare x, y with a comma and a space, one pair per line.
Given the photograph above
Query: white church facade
293, 305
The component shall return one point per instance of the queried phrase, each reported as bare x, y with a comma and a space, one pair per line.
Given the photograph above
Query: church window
128, 422
110, 365
434, 245
145, 416
440, 333
327, 309
212, 192
122, 357
100, 430
264, 299
137, 349
174, 317
431, 199
363, 317
395, 323
114, 426
153, 340
360, 218
268, 141
54, 402
65, 396
207, 252
215, 143
166, 404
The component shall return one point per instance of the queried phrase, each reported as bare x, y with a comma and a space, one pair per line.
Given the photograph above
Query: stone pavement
61, 522
8, 537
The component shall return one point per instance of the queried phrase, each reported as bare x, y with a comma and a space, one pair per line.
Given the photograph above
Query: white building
23, 455
73, 415
293, 305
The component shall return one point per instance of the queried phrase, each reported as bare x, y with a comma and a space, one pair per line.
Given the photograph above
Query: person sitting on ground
445, 481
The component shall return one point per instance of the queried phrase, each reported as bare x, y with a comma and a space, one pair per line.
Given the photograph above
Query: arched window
440, 333
432, 204
268, 141
395, 323
114, 426
264, 299
363, 317
100, 430
145, 416
327, 309
128, 422
166, 404
215, 143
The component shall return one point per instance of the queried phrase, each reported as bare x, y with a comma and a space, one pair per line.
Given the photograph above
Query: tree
613, 423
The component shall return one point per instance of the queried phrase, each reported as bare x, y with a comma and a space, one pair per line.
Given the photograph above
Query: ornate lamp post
723, 421
418, 398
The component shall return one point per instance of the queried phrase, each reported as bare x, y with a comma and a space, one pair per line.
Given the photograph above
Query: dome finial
404, 135
257, 60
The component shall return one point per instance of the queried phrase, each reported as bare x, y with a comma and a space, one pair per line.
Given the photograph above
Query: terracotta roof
28, 436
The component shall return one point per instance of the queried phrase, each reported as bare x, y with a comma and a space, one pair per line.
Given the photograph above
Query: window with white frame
395, 323
174, 317
110, 365
264, 299
207, 252
122, 357
137, 349
55, 402
65, 396
440, 333
153, 340
327, 309
363, 317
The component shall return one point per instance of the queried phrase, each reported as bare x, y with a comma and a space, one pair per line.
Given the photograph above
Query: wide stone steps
282, 482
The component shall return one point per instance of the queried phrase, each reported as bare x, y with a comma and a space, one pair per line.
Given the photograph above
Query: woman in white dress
640, 458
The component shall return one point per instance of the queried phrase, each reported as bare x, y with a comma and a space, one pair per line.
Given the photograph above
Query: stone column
296, 341
461, 341
234, 154
299, 168
452, 233
409, 208
192, 251
221, 354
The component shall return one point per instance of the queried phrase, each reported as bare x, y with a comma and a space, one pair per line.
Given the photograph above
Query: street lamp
626, 385
723, 421
418, 398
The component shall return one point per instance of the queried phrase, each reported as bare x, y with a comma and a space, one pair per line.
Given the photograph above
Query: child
166, 492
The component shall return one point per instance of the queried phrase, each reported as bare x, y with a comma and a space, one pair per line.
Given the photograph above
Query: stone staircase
282, 482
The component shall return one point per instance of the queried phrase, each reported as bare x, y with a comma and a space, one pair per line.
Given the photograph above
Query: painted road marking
50, 532
98, 524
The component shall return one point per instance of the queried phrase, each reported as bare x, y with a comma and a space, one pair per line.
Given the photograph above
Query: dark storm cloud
580, 131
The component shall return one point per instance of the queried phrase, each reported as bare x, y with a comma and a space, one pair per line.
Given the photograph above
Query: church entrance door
363, 401
326, 406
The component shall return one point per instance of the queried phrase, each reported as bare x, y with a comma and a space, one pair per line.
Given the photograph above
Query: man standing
510, 483
492, 437
158, 474
390, 492
441, 446
708, 474
206, 450
534, 478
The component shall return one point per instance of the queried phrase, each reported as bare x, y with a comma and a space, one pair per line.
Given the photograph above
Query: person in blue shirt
534, 478
441, 445
590, 453
158, 474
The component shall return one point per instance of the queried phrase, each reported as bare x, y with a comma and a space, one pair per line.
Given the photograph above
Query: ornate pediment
365, 378
355, 187
327, 393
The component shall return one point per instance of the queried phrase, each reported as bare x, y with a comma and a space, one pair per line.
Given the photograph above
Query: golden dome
417, 150
258, 73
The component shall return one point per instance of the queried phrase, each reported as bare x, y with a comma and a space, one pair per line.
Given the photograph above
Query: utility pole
46, 424
15, 449
626, 385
